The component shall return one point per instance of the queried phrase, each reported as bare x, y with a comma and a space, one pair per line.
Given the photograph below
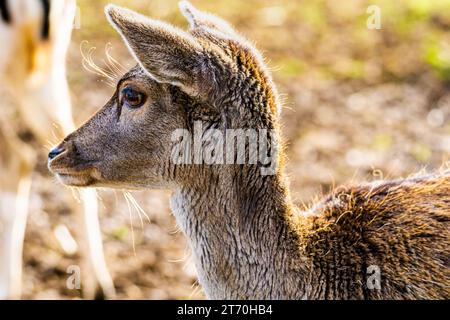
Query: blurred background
359, 104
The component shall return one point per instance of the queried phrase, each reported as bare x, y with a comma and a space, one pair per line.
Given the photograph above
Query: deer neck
239, 231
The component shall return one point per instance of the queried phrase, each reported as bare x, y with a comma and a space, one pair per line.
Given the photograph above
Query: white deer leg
7, 208
13, 212
96, 272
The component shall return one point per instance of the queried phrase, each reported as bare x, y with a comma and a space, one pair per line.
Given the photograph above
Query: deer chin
76, 177
75, 180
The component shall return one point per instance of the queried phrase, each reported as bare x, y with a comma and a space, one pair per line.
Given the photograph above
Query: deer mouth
75, 175
75, 180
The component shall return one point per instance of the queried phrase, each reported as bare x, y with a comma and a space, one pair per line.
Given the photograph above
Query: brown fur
248, 239
400, 226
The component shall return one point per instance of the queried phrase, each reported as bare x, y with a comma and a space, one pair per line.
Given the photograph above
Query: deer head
209, 74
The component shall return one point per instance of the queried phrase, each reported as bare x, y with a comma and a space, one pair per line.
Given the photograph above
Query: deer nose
55, 152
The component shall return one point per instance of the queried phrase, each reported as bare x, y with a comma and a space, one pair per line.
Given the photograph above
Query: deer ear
168, 54
199, 19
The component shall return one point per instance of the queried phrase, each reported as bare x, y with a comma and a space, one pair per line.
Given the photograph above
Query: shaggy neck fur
242, 241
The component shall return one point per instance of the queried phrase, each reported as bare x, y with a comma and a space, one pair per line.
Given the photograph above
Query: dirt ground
359, 105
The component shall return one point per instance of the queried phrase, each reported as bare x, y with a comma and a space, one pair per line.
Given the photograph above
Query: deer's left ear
168, 54
200, 19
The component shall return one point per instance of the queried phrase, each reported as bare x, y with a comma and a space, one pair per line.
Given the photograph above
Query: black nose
55, 152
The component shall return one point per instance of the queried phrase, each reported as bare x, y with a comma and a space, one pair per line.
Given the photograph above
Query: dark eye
132, 98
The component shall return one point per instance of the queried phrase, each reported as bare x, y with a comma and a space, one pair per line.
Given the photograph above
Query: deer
36, 35
384, 239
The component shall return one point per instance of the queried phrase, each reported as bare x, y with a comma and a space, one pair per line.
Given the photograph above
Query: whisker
100, 199
196, 289
48, 145
116, 198
131, 223
176, 229
127, 195
113, 63
75, 194
138, 207
109, 69
89, 64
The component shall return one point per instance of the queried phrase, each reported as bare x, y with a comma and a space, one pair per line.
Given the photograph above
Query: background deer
248, 239
35, 36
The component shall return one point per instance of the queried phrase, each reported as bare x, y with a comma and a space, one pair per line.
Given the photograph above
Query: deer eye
132, 98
